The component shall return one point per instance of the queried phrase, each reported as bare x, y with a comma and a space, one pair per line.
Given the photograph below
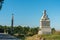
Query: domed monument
44, 24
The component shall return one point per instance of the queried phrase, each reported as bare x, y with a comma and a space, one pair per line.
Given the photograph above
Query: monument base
45, 31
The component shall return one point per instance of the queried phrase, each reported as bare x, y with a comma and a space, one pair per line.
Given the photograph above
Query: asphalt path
7, 37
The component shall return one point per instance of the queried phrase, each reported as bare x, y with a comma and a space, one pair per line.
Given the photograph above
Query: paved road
7, 37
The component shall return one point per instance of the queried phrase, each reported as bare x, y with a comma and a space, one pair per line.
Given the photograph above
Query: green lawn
53, 37
47, 37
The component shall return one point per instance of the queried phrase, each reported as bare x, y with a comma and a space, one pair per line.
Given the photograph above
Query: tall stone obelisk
12, 23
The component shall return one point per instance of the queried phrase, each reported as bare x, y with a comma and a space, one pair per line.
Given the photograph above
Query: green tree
1, 26
26, 30
20, 29
53, 30
34, 30
5, 29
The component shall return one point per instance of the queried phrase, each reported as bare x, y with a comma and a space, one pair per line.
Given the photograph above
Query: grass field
47, 37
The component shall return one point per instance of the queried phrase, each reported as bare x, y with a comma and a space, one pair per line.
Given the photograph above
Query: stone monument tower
12, 24
44, 24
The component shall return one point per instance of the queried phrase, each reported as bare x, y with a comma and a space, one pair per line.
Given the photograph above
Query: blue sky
29, 12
